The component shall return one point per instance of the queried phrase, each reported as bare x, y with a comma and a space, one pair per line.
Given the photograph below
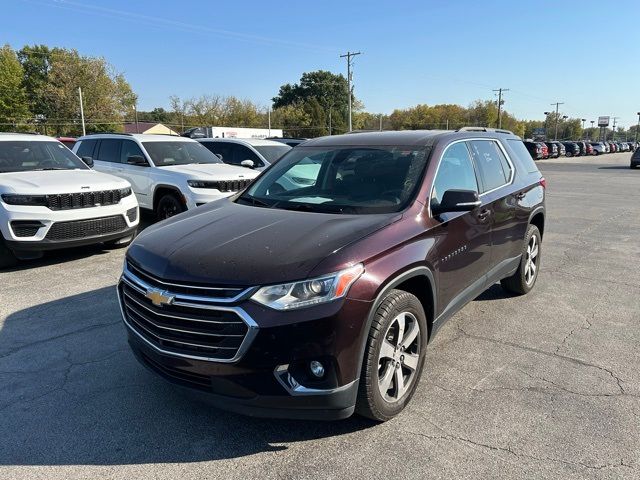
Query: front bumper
195, 197
271, 377
127, 209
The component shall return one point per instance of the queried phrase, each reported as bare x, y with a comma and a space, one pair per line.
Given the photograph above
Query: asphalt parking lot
542, 386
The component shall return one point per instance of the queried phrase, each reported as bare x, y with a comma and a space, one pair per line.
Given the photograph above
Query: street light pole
546, 120
583, 132
84, 131
637, 128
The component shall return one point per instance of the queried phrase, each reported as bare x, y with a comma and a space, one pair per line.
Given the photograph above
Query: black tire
7, 258
168, 206
517, 283
370, 402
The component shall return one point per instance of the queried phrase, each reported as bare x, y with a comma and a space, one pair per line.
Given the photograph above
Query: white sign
603, 121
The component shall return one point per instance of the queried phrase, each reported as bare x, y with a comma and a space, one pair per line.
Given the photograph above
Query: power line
349, 56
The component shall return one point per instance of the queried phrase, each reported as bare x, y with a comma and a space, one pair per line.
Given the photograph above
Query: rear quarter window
523, 155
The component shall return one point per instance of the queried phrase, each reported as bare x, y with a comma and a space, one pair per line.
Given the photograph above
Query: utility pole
269, 119
84, 131
135, 111
637, 128
349, 56
500, 102
330, 119
557, 104
380, 122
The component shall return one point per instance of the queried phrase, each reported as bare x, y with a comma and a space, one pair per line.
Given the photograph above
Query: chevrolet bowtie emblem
159, 297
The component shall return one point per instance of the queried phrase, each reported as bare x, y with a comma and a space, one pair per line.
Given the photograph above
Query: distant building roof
148, 127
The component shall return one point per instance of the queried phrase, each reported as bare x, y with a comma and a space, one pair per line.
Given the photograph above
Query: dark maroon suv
315, 292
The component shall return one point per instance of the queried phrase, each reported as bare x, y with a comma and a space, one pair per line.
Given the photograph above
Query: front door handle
483, 214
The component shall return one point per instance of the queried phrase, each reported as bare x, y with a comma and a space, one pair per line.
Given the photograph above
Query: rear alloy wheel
523, 280
168, 206
394, 357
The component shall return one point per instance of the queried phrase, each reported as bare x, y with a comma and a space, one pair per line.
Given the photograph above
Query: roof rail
484, 129
109, 133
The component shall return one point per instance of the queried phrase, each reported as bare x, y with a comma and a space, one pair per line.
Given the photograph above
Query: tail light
543, 182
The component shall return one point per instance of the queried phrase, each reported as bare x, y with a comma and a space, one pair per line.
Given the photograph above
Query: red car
589, 149
545, 149
68, 142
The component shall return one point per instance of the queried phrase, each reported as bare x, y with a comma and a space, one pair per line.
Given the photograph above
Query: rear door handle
483, 214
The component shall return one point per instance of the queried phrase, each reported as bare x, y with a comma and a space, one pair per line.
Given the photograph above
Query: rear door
138, 176
463, 239
497, 173
107, 156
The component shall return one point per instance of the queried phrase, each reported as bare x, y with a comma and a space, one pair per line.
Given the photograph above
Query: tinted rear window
523, 155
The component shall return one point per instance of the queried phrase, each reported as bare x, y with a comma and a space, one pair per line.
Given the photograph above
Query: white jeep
50, 199
169, 174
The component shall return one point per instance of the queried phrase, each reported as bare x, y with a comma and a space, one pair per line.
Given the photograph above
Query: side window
86, 148
243, 153
129, 149
220, 148
455, 172
492, 165
109, 150
523, 155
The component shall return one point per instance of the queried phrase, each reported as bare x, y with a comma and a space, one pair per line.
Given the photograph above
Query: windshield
341, 180
26, 156
272, 153
166, 154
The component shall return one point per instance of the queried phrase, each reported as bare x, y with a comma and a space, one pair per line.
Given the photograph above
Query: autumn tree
14, 107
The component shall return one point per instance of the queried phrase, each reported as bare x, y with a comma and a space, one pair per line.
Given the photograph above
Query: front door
138, 176
463, 239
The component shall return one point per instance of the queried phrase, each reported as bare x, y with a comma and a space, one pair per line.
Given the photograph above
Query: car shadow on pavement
71, 393
615, 167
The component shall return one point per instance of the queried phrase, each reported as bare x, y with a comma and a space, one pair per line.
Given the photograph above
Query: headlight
201, 184
125, 192
290, 296
31, 200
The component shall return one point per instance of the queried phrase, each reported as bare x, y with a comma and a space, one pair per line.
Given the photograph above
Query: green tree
14, 107
107, 96
320, 90
36, 64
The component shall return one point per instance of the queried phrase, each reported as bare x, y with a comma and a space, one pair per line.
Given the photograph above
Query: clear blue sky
584, 53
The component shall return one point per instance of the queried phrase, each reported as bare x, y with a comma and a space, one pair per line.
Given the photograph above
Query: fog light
316, 368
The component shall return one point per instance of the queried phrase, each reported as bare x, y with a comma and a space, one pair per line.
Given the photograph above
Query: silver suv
247, 152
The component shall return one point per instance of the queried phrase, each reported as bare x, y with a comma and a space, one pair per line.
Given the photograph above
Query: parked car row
554, 149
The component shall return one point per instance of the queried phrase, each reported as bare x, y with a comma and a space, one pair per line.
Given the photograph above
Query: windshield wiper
50, 168
254, 201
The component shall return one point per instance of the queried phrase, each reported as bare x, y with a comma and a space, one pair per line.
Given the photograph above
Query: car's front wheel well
421, 287
161, 191
538, 221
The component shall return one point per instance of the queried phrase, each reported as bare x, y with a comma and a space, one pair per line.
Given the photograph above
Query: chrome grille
188, 326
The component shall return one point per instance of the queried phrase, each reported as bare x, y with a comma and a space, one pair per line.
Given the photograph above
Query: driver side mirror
137, 160
247, 163
457, 201
88, 161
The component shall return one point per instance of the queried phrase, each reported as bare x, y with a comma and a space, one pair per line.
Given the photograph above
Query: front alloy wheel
394, 356
399, 356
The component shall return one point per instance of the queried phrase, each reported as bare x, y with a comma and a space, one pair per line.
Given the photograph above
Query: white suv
50, 199
168, 174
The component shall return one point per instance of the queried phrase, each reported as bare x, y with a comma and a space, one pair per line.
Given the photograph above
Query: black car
635, 158
554, 149
321, 300
572, 149
534, 149
583, 147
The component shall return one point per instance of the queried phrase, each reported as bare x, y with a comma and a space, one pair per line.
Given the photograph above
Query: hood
225, 243
59, 181
213, 171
